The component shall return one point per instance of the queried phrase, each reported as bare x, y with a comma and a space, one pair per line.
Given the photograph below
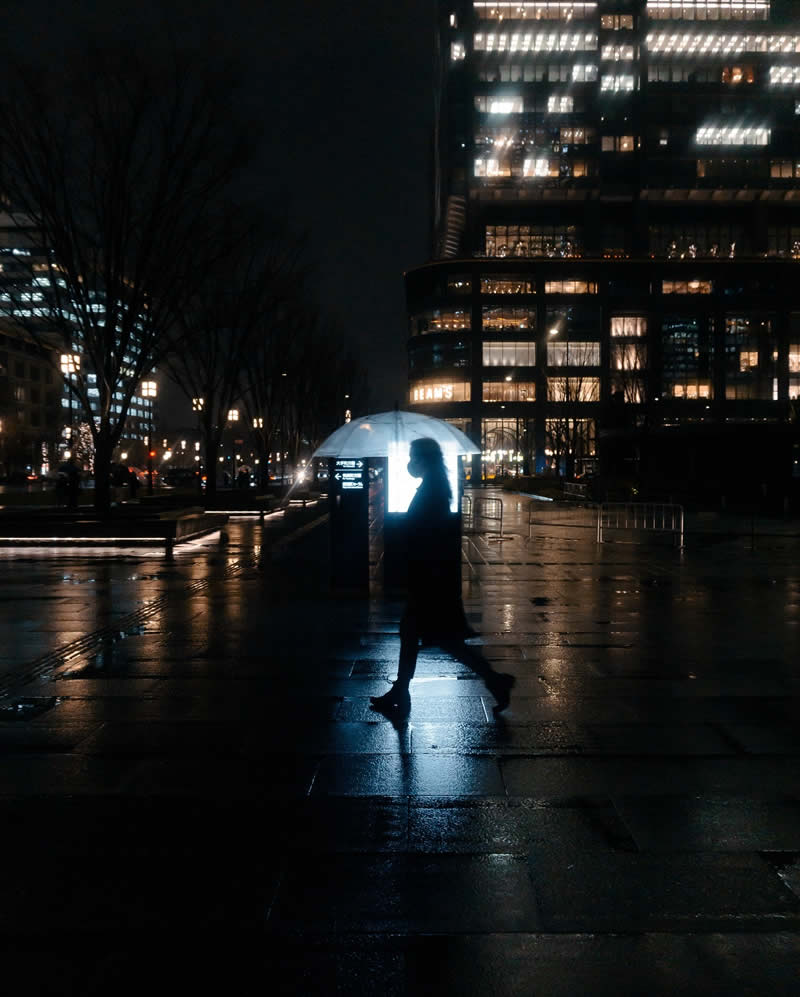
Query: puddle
28, 707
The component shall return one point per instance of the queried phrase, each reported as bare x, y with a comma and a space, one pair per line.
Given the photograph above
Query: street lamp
233, 416
150, 391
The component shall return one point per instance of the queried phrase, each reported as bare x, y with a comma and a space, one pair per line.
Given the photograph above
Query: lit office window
629, 385
613, 83
533, 240
507, 284
628, 356
794, 388
575, 136
784, 169
457, 51
686, 287
541, 167
570, 287
617, 22
617, 53
617, 143
509, 391
628, 325
492, 168
573, 354
558, 104
584, 74
573, 389
508, 317
499, 105
708, 10
727, 135
794, 358
784, 75
734, 75
508, 353
698, 390
440, 320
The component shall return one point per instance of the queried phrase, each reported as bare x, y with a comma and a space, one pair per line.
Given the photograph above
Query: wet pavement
195, 793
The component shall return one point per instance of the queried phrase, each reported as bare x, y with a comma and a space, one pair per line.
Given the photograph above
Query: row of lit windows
512, 138
538, 10
532, 240
583, 41
732, 135
542, 167
657, 72
559, 389
682, 386
708, 10
537, 72
716, 44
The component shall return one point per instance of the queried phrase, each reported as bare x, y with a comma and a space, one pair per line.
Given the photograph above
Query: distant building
30, 413
616, 242
48, 427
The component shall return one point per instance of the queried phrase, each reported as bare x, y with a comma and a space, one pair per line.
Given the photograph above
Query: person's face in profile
416, 467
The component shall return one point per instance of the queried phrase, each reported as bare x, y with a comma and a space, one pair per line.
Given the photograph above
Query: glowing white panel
784, 75
712, 43
732, 136
402, 487
511, 105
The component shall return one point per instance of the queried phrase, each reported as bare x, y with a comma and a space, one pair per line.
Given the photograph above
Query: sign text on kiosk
349, 472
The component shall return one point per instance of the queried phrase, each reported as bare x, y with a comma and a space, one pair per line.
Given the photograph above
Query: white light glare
402, 487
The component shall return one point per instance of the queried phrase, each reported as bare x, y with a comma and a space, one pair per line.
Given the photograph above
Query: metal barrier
466, 512
574, 515
484, 512
575, 490
641, 517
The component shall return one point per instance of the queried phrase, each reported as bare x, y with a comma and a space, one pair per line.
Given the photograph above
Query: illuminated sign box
349, 473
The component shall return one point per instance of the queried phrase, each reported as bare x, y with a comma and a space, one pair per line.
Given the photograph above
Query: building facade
41, 417
616, 244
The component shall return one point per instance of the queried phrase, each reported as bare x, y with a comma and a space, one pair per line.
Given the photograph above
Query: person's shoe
501, 690
396, 700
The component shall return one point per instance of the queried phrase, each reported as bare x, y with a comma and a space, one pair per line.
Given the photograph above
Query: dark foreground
207, 803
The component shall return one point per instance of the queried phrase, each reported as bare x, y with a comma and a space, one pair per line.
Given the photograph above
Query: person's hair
428, 451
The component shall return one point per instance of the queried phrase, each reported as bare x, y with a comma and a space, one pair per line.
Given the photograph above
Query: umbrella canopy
377, 435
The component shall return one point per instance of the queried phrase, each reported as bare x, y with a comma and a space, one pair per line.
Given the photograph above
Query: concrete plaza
196, 794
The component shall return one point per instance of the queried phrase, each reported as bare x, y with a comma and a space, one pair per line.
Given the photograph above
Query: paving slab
202, 796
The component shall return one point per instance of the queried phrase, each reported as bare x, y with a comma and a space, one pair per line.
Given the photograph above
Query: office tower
616, 243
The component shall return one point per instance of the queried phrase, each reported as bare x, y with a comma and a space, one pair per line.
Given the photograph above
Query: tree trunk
211, 442
103, 451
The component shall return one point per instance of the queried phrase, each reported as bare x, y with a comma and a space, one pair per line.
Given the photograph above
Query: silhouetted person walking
435, 613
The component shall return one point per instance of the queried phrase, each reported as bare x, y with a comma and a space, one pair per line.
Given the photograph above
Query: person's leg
397, 698
499, 684
409, 647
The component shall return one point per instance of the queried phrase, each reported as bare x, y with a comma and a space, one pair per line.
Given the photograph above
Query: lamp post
233, 416
70, 365
150, 391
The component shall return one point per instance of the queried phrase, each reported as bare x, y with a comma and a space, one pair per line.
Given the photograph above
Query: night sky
343, 96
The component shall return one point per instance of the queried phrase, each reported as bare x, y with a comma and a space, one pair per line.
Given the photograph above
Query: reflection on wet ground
207, 775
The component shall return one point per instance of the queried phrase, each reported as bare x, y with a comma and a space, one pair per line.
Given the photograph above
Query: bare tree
109, 166
236, 313
570, 436
299, 381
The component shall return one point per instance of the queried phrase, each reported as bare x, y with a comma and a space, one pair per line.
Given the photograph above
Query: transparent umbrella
383, 434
